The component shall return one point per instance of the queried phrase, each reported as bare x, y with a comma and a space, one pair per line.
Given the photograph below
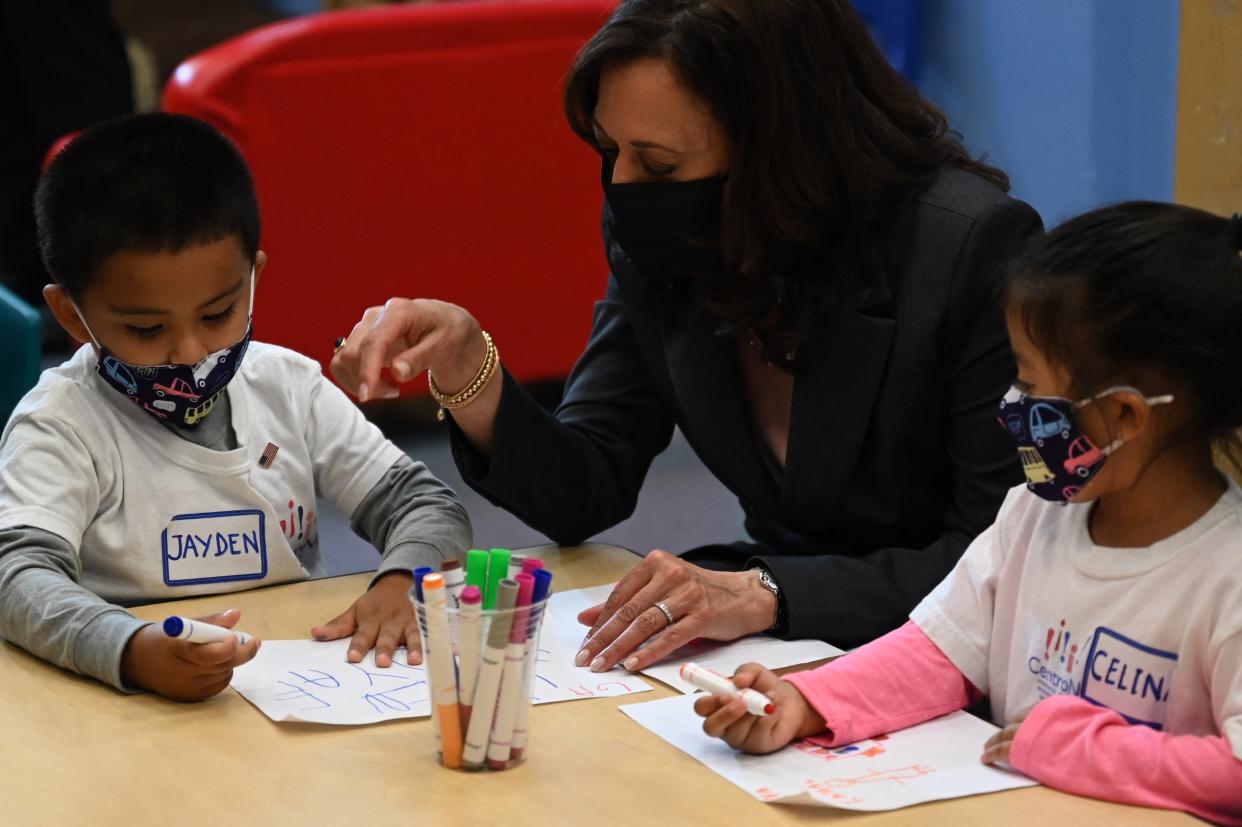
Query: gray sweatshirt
412, 517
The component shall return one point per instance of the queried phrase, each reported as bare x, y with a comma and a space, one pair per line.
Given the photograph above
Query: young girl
1107, 634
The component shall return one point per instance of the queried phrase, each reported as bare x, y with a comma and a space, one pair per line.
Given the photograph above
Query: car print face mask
1058, 458
180, 394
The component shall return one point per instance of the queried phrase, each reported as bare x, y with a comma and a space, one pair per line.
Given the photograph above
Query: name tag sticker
1128, 677
215, 547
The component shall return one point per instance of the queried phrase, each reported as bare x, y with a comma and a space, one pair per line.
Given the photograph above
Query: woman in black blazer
804, 273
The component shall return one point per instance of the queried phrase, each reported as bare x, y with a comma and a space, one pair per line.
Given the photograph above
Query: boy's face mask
1058, 458
181, 394
660, 224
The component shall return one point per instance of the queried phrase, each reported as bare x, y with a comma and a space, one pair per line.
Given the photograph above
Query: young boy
173, 456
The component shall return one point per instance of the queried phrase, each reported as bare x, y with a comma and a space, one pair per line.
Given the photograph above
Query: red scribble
899, 776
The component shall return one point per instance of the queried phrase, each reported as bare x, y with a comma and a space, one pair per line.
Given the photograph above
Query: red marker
468, 661
757, 703
500, 744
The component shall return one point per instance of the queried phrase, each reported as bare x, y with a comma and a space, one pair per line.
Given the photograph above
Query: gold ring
338, 344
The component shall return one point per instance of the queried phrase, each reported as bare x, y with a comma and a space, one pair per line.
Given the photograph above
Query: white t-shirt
1034, 608
156, 517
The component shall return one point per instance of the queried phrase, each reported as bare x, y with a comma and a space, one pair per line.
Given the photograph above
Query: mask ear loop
89, 332
250, 311
1152, 401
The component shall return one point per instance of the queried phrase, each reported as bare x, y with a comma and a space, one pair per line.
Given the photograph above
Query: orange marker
439, 649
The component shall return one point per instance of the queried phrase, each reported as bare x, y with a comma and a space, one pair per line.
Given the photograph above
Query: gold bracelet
471, 392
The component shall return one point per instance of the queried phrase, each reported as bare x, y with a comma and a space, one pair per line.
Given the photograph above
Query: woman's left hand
703, 604
997, 747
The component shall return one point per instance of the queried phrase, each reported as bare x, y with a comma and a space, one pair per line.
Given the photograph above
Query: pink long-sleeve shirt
1064, 742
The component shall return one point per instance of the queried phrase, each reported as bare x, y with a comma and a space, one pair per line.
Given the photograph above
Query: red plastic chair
416, 151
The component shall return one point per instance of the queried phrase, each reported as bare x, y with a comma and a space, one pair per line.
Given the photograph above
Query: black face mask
669, 229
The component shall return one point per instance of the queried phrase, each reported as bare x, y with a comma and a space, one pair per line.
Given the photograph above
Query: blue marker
419, 574
543, 585
196, 631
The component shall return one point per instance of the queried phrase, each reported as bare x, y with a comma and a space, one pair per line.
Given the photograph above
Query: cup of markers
480, 631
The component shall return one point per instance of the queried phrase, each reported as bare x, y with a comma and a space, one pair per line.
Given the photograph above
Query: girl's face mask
181, 394
1058, 457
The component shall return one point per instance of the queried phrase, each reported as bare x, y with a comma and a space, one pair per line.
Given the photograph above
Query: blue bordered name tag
215, 547
1129, 677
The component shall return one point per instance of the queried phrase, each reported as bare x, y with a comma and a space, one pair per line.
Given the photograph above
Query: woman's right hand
409, 336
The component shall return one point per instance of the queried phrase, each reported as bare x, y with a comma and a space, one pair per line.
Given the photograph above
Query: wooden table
78, 752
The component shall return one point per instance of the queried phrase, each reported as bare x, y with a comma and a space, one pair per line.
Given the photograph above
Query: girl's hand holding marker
756, 711
703, 678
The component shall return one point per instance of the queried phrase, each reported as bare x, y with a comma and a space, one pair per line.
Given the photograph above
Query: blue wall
1075, 99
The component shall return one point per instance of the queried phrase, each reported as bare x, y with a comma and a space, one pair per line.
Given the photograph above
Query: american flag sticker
269, 455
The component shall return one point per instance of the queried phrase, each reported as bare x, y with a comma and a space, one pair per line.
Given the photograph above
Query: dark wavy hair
1145, 294
827, 137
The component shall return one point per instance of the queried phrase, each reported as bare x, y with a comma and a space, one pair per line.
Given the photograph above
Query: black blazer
895, 460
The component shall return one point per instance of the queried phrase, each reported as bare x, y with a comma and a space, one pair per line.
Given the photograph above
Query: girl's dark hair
826, 137
155, 182
1141, 293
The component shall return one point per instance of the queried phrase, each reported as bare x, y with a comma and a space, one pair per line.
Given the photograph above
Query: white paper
305, 680
724, 658
934, 760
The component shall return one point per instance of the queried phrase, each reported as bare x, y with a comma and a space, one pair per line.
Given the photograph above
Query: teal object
21, 331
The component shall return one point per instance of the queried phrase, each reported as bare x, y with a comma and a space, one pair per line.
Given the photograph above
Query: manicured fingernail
362, 392
630, 663
597, 665
401, 370
582, 657
391, 394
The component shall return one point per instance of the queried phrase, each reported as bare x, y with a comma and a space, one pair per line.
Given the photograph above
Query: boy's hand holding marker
184, 670
729, 718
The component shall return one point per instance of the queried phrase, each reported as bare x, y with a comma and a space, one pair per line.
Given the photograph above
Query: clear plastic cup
491, 666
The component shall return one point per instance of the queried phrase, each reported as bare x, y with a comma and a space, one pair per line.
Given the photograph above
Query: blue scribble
383, 702
298, 692
327, 681
371, 676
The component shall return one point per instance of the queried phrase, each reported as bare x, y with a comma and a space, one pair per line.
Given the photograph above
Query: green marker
476, 568
497, 570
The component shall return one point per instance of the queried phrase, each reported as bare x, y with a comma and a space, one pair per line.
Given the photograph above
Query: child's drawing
934, 760
304, 680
